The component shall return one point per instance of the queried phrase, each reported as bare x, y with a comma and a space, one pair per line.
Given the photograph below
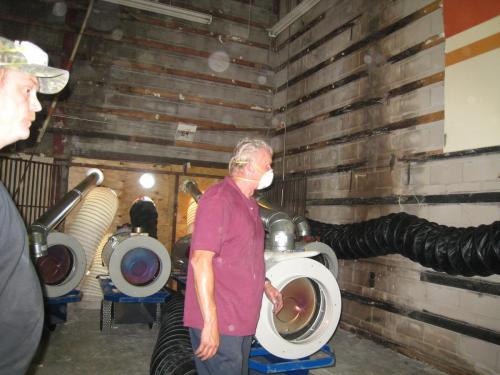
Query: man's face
18, 104
262, 162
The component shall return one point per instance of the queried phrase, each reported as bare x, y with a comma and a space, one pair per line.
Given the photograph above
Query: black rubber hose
172, 354
472, 251
144, 214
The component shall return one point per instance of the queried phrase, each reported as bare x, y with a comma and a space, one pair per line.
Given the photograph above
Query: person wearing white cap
24, 70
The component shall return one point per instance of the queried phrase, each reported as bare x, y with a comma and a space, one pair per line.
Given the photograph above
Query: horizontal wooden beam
141, 170
178, 97
82, 132
127, 156
415, 85
323, 90
138, 138
422, 46
318, 43
169, 120
486, 197
437, 320
161, 69
321, 171
398, 125
215, 12
411, 158
300, 32
204, 146
172, 25
354, 106
468, 283
423, 157
220, 13
435, 5
404, 89
184, 51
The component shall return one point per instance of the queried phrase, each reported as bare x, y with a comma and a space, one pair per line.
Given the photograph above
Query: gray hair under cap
244, 151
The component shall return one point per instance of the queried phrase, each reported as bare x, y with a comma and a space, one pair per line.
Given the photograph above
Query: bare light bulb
147, 180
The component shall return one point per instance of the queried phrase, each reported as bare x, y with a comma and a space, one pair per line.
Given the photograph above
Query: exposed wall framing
34, 185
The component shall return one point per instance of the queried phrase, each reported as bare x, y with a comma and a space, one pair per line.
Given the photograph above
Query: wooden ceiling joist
161, 118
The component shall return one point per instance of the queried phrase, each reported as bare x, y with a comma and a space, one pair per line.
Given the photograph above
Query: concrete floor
79, 347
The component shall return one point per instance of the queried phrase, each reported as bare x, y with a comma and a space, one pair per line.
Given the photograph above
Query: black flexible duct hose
173, 354
144, 214
458, 251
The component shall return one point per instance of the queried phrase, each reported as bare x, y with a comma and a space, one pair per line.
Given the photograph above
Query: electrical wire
285, 122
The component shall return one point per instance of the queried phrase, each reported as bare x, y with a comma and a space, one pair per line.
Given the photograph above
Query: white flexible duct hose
91, 223
93, 219
191, 214
92, 293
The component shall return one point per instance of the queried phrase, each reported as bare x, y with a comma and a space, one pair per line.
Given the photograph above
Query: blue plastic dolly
112, 295
262, 362
56, 308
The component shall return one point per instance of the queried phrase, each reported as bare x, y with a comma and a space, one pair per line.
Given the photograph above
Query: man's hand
274, 295
209, 341
204, 285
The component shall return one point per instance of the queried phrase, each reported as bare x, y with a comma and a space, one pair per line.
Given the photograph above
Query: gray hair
244, 152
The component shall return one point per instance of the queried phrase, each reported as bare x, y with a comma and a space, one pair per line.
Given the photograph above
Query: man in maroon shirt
226, 274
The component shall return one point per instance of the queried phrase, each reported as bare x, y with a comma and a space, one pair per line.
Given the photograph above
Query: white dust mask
266, 180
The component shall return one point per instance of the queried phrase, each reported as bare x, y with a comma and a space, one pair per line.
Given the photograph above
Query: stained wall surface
359, 107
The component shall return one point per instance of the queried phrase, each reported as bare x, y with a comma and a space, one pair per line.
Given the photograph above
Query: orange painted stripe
474, 49
461, 15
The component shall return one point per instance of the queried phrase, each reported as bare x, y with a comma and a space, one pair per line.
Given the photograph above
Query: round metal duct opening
138, 265
63, 268
56, 266
311, 309
301, 309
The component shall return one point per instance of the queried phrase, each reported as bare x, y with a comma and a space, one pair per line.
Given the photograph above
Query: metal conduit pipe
190, 187
280, 229
301, 224
41, 227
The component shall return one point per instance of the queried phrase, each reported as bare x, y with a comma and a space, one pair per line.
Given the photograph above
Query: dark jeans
231, 357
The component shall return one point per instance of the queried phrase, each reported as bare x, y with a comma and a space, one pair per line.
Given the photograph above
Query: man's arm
203, 273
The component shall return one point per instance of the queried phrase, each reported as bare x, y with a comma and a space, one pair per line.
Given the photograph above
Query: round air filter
311, 312
139, 265
64, 267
